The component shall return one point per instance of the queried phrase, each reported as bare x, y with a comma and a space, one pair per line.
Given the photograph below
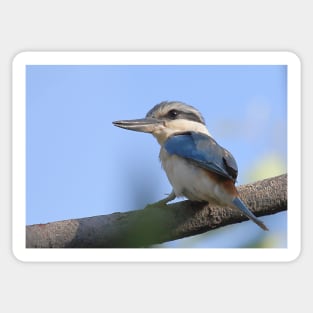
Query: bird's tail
241, 206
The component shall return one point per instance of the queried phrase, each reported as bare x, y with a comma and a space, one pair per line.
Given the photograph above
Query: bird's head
166, 119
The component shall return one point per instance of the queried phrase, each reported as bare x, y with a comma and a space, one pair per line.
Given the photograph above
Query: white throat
168, 128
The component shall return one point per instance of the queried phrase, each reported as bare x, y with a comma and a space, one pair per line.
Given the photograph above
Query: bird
197, 167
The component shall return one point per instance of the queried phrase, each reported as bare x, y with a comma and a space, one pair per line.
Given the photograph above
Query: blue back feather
204, 151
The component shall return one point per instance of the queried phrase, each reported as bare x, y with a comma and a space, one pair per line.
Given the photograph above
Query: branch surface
142, 228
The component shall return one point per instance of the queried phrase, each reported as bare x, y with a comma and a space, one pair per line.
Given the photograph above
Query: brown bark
142, 228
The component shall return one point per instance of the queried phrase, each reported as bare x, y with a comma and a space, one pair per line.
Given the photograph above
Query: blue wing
204, 151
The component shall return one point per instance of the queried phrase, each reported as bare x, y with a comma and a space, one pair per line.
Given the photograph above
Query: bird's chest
177, 170
187, 179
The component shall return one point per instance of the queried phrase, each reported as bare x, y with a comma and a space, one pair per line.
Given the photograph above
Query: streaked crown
174, 110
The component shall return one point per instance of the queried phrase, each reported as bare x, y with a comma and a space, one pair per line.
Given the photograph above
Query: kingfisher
197, 167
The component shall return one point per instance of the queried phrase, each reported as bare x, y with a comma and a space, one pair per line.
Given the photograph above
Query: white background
161, 25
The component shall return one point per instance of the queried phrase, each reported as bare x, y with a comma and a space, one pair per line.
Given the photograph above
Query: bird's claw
162, 203
158, 204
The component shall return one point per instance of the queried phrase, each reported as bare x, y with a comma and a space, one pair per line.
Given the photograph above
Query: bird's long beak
146, 125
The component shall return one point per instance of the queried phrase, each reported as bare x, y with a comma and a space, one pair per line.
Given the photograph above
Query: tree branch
156, 225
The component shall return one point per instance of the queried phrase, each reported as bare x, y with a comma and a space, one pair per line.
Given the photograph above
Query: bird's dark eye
172, 114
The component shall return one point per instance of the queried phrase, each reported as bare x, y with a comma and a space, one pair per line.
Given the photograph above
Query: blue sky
78, 164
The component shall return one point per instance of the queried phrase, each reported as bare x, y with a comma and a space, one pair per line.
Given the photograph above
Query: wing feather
204, 151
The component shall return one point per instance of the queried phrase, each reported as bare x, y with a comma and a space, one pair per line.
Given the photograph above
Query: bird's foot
162, 203
158, 204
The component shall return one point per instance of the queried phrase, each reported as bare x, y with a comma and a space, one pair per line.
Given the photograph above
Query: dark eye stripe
161, 111
173, 114
190, 117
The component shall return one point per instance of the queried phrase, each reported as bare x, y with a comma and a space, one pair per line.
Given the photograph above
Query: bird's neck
177, 126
